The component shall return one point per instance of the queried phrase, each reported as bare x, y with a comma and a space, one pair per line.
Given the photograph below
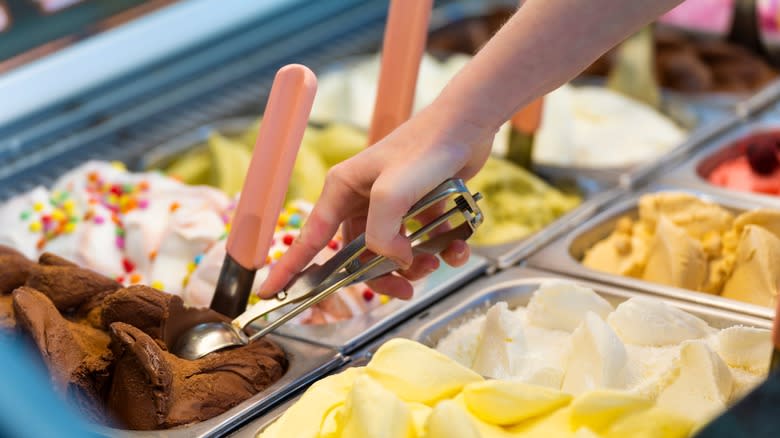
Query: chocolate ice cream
153, 389
106, 347
77, 356
66, 284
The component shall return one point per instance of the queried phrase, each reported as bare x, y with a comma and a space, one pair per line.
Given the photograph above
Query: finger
393, 286
336, 203
456, 254
392, 195
423, 265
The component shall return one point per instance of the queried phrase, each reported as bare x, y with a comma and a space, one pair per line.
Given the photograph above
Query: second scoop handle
268, 177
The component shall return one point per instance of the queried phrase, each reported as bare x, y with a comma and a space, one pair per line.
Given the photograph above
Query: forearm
545, 44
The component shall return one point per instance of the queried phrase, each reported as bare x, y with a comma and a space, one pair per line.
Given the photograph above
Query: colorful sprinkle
277, 255
58, 215
288, 239
128, 265
384, 299
135, 279
333, 245
98, 220
157, 285
35, 226
191, 267
24, 215
295, 220
38, 206
152, 255
253, 299
198, 259
174, 206
368, 294
69, 228
120, 242
118, 165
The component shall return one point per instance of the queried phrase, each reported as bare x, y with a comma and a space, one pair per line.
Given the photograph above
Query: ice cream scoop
286, 115
317, 282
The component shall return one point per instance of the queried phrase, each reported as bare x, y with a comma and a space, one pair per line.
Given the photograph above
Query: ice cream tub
566, 253
307, 363
260, 424
592, 191
515, 287
725, 161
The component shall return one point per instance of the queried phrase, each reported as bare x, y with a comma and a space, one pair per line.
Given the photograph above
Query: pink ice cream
756, 170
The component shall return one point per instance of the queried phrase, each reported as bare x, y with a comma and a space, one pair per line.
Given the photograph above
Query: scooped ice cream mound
683, 241
571, 339
106, 347
411, 391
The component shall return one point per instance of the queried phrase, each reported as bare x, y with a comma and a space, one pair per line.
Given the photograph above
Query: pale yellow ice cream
411, 391
680, 240
570, 339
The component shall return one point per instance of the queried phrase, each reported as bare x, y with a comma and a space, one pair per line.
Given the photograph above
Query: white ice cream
644, 346
597, 127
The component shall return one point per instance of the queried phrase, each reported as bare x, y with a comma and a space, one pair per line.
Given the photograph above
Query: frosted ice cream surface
569, 338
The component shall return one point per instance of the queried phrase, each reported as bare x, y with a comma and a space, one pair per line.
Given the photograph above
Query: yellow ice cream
756, 268
675, 258
680, 240
409, 390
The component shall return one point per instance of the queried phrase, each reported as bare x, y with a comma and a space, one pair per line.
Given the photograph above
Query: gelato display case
587, 274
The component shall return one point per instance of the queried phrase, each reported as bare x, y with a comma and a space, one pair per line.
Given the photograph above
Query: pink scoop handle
402, 50
281, 132
528, 119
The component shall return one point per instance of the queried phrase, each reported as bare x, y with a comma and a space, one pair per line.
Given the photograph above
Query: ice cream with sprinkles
148, 228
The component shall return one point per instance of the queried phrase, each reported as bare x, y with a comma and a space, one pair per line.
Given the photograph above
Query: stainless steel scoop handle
317, 282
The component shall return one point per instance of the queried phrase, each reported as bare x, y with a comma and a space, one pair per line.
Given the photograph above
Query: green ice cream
516, 202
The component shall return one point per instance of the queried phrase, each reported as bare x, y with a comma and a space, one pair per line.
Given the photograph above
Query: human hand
372, 191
